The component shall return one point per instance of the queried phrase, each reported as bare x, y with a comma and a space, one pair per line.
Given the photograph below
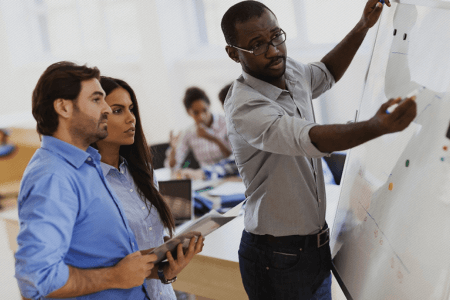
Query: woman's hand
203, 132
176, 266
173, 143
173, 139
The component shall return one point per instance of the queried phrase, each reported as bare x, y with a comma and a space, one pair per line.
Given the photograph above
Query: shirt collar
268, 90
108, 168
72, 154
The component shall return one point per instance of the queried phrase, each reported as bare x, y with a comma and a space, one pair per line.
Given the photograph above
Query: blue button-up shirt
69, 215
148, 228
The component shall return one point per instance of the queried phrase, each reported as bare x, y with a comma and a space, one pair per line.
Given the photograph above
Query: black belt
301, 241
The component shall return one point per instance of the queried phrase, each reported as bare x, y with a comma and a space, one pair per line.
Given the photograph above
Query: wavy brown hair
139, 159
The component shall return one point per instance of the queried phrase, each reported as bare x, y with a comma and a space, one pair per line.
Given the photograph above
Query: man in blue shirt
74, 238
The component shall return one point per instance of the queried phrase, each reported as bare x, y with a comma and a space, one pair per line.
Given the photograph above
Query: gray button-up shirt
269, 132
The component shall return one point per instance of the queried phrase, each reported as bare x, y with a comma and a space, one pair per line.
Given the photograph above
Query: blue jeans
284, 272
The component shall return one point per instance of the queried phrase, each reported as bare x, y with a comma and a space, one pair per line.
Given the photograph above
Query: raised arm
338, 59
178, 150
202, 132
329, 138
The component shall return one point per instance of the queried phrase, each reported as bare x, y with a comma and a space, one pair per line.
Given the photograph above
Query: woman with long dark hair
127, 165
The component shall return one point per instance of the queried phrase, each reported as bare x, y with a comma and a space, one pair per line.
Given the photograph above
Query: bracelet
162, 277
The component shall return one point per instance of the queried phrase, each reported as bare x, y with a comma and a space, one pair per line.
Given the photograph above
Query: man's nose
272, 51
106, 108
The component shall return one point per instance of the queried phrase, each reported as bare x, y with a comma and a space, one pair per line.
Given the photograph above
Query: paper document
203, 226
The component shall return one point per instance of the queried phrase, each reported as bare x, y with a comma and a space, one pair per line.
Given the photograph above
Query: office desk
214, 273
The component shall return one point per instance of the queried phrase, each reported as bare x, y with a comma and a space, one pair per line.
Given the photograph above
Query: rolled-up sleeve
321, 79
265, 126
47, 213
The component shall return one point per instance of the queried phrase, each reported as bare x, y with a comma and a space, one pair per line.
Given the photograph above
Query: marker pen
391, 108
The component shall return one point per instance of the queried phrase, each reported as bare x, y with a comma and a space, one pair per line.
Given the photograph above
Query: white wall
148, 75
172, 58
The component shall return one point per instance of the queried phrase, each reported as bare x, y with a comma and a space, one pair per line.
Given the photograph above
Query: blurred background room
160, 47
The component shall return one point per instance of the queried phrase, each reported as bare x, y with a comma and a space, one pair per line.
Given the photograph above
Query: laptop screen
178, 195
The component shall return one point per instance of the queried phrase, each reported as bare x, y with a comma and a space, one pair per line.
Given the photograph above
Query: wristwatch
162, 277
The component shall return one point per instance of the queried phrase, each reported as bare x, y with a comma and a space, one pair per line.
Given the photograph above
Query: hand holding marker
413, 93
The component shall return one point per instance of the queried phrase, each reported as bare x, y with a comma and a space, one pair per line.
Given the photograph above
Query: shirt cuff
308, 147
33, 288
324, 68
60, 279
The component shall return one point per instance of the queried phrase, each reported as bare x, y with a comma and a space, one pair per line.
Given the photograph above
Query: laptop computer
178, 195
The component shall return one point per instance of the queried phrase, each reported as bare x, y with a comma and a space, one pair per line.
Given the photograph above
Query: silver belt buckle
327, 232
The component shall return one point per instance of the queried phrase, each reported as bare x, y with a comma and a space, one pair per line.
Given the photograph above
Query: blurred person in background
207, 138
223, 93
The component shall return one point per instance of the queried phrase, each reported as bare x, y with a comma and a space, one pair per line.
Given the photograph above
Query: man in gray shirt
284, 251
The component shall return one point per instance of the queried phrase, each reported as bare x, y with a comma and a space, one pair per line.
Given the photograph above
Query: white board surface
391, 234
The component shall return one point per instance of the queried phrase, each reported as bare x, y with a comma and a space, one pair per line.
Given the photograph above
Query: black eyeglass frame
265, 44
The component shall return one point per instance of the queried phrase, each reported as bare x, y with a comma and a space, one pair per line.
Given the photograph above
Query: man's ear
232, 53
63, 107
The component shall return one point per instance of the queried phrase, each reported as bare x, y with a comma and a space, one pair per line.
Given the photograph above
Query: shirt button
131, 190
150, 228
143, 207
122, 171
89, 159
160, 293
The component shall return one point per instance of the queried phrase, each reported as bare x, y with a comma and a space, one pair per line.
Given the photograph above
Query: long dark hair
139, 159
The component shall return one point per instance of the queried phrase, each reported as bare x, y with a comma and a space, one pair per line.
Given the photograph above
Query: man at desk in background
284, 251
74, 238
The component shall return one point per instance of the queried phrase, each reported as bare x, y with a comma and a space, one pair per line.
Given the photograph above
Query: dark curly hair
223, 93
239, 13
192, 94
61, 80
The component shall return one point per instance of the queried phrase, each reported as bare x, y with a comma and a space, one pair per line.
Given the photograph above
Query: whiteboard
391, 233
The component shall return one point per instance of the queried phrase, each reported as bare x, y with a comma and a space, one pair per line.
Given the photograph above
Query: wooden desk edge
212, 278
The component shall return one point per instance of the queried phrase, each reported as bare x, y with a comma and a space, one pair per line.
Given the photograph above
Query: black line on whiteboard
398, 257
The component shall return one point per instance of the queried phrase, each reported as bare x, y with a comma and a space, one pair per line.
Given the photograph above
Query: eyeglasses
262, 48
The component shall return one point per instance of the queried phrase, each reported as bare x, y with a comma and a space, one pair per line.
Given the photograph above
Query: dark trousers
284, 270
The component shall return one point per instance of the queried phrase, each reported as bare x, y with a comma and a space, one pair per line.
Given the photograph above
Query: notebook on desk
178, 195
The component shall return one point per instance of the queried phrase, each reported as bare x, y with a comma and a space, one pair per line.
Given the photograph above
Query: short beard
266, 78
81, 132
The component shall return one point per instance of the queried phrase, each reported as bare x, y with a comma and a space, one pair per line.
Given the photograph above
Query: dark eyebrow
122, 106
253, 39
97, 93
259, 36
